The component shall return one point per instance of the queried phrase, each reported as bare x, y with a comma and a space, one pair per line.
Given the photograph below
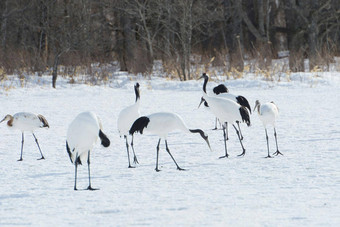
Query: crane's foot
92, 189
135, 161
42, 157
224, 156
157, 170
131, 167
181, 169
277, 153
75, 189
20, 160
269, 156
242, 154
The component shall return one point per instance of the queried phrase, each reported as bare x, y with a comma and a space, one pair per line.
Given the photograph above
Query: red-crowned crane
227, 111
125, 120
223, 92
24, 121
82, 134
161, 124
268, 114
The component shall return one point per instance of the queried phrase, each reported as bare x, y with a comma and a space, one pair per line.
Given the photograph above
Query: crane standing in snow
268, 113
126, 118
222, 91
82, 134
161, 124
24, 121
227, 111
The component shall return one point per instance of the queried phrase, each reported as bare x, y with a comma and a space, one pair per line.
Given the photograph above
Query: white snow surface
301, 188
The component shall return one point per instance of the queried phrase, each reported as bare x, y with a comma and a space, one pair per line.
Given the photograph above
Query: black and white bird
82, 134
125, 120
223, 92
227, 111
24, 121
268, 114
161, 124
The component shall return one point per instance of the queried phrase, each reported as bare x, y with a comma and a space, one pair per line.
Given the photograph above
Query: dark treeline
36, 34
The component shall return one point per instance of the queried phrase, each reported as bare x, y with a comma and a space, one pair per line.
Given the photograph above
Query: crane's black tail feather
245, 115
104, 139
243, 102
139, 125
69, 151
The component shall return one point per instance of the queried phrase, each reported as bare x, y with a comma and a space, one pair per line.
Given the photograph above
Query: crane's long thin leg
238, 124
88, 167
22, 145
267, 144
75, 172
134, 154
225, 142
167, 149
238, 134
226, 130
157, 155
277, 148
127, 150
36, 140
215, 124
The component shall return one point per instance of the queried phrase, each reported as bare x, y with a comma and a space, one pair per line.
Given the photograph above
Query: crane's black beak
200, 78
202, 100
207, 141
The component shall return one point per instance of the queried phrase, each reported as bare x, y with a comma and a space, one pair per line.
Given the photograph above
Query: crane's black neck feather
137, 91
245, 115
206, 78
139, 125
104, 139
220, 89
243, 102
200, 132
203, 135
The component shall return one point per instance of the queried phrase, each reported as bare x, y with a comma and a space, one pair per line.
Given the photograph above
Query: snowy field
301, 188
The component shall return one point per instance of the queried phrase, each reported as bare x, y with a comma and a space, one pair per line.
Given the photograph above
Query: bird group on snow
86, 128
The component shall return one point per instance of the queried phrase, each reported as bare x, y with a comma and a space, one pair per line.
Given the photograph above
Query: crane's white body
82, 134
126, 118
225, 110
25, 121
227, 96
164, 122
161, 124
268, 113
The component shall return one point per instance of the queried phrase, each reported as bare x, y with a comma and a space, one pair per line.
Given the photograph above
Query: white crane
24, 121
161, 124
82, 134
227, 111
223, 92
126, 118
268, 113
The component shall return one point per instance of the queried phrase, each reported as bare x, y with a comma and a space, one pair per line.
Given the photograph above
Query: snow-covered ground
301, 188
